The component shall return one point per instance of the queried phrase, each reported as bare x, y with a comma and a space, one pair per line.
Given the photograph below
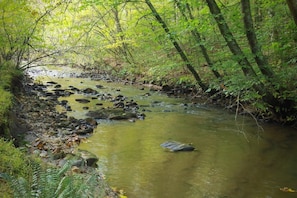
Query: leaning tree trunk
292, 4
253, 42
278, 107
230, 39
176, 45
197, 36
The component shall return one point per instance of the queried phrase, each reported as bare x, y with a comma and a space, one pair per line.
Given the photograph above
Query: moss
10, 78
12, 160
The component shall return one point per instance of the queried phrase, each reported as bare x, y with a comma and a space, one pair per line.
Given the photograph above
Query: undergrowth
52, 182
13, 162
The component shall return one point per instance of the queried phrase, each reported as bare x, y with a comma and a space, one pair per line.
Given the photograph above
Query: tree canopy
244, 49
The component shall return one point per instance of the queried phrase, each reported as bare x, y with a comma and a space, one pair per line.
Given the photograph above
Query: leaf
287, 189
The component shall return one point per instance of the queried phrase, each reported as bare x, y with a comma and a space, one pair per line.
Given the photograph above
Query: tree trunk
197, 36
253, 42
292, 4
229, 38
124, 49
177, 46
278, 107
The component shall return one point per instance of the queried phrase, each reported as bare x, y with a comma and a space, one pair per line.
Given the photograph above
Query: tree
177, 46
230, 39
253, 42
292, 4
20, 21
16, 20
197, 36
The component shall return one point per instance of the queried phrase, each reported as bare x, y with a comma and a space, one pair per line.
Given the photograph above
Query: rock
58, 155
43, 154
82, 100
91, 121
57, 86
89, 91
123, 116
72, 88
84, 131
51, 82
166, 88
90, 158
78, 163
105, 113
175, 146
61, 162
112, 114
119, 104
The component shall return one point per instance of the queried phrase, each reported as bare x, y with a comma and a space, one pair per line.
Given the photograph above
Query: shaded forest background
242, 50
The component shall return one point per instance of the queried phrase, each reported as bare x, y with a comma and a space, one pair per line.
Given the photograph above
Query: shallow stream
233, 158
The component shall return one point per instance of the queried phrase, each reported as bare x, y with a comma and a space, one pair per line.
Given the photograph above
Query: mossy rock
112, 114
90, 158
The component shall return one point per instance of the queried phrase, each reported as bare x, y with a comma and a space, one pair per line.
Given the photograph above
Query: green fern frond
65, 168
56, 183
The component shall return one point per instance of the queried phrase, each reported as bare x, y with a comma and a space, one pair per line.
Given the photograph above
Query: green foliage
58, 183
16, 20
12, 160
7, 75
84, 32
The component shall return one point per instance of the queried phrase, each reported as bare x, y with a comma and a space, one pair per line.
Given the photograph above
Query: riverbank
221, 98
35, 127
54, 136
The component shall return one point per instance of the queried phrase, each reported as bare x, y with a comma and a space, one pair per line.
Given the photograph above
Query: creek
233, 158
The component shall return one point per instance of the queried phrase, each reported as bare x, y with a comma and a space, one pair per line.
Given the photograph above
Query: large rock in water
175, 146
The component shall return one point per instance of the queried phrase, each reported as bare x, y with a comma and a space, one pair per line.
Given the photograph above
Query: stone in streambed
82, 100
112, 114
90, 158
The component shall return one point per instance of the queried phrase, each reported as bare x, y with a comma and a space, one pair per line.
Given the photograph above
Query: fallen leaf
286, 189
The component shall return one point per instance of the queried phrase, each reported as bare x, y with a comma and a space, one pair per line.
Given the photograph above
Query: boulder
175, 146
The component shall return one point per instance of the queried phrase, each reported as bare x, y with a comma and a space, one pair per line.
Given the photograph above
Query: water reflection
226, 163
233, 158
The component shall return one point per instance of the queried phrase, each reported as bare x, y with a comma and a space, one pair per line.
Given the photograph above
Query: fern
52, 182
35, 191
20, 186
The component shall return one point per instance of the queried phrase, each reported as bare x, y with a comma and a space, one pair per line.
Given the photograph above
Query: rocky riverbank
49, 134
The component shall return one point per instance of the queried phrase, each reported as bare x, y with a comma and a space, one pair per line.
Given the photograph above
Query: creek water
233, 158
